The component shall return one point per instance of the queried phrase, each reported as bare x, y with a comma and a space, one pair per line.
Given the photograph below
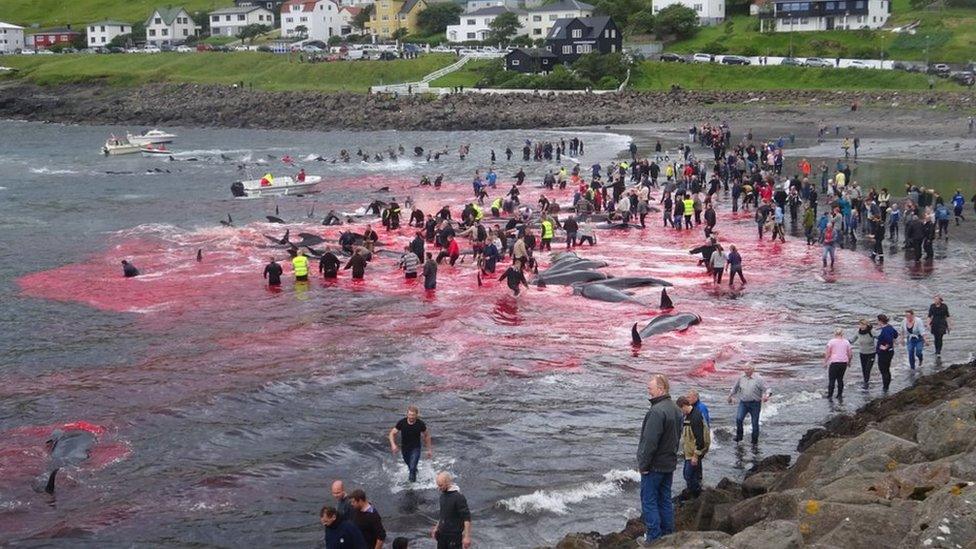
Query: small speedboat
151, 137
117, 145
274, 186
155, 150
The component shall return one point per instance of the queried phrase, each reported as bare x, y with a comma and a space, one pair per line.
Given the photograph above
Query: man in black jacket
453, 530
657, 457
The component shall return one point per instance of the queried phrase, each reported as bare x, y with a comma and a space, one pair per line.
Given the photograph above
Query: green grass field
707, 76
948, 36
656, 76
264, 70
50, 13
468, 76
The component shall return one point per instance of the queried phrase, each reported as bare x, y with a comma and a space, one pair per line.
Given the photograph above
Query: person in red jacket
453, 251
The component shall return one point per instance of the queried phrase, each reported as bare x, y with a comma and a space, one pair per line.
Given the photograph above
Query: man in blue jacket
340, 534
657, 457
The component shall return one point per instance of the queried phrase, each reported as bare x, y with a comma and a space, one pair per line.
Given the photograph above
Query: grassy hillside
49, 13
701, 76
263, 70
468, 75
949, 36
656, 76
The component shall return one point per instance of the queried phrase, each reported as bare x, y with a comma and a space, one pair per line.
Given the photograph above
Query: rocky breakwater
899, 473
223, 106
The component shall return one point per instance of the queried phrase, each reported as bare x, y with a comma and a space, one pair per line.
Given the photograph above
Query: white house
818, 15
11, 38
231, 21
346, 16
475, 5
169, 26
102, 32
321, 19
710, 12
538, 21
474, 26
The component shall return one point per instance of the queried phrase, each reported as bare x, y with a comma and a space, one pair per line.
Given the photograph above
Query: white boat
273, 186
117, 145
151, 137
155, 150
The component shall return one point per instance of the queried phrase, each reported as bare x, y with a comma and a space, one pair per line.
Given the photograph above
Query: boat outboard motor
237, 189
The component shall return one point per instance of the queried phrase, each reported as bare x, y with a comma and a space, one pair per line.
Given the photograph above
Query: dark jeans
570, 239
589, 239
449, 541
411, 456
693, 477
751, 407
938, 335
656, 504
884, 366
867, 362
835, 375
442, 255
736, 271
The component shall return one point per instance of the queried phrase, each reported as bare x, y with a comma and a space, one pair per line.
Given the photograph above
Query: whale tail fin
666, 302
635, 335
49, 487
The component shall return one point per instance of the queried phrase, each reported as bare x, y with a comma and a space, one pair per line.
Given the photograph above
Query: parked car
308, 48
735, 60
702, 58
793, 61
966, 78
204, 47
151, 49
939, 69
673, 58
184, 49
166, 47
818, 62
858, 65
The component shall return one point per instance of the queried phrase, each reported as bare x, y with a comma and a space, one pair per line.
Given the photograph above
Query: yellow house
390, 15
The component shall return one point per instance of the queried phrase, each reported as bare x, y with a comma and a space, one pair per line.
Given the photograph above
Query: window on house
303, 19
471, 36
91, 39
859, 4
103, 40
536, 31
152, 32
472, 21
577, 33
385, 18
698, 7
289, 19
842, 5
553, 17
804, 20
186, 32
536, 18
567, 49
515, 62
90, 29
240, 17
584, 48
157, 20
874, 19
215, 18
165, 32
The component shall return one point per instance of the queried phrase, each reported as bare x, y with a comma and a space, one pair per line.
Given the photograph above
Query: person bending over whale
332, 219
514, 277
129, 270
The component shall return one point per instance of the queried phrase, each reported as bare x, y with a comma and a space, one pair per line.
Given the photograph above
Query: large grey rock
695, 540
949, 428
829, 524
914, 481
945, 520
808, 465
772, 534
856, 489
771, 506
871, 451
759, 483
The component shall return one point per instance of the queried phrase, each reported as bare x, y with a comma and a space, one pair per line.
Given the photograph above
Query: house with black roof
530, 60
571, 38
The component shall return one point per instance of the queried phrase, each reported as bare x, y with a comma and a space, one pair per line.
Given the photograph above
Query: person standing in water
514, 278
430, 272
358, 265
885, 349
866, 348
453, 529
272, 273
837, 358
938, 321
412, 430
752, 392
914, 333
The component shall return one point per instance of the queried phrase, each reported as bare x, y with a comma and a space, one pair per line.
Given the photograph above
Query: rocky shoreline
897, 473
198, 105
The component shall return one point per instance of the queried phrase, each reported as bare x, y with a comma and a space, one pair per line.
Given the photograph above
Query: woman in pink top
836, 360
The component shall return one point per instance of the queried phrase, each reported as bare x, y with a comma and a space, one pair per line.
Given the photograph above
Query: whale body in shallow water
68, 448
566, 278
663, 323
626, 282
600, 292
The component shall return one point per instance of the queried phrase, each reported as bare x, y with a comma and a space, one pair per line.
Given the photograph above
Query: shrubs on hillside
594, 70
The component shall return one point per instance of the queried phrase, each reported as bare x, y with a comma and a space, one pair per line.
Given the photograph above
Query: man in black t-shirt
411, 430
272, 272
938, 323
